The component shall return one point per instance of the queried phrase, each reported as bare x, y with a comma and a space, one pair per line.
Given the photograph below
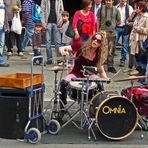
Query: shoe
9, 53
127, 70
49, 62
133, 72
4, 65
20, 53
122, 63
112, 70
24, 57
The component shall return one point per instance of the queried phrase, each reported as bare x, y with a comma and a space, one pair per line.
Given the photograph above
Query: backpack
36, 13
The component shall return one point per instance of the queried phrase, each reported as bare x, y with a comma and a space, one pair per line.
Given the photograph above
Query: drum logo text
115, 110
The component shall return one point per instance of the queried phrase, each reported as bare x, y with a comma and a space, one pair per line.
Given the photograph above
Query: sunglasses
95, 38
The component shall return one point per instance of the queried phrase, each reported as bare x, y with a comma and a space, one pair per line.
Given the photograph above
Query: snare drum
75, 89
116, 117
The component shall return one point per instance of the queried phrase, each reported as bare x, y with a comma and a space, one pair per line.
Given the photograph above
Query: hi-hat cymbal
56, 68
131, 78
63, 58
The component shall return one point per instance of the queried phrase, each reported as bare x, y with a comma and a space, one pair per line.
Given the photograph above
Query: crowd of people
118, 19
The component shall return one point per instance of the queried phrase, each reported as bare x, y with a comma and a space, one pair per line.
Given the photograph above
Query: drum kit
113, 115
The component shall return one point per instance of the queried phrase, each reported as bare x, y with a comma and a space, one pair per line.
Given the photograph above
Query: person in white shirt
3, 27
125, 11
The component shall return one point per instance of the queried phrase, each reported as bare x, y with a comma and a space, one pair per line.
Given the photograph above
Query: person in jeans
4, 26
125, 11
107, 19
12, 7
51, 18
27, 23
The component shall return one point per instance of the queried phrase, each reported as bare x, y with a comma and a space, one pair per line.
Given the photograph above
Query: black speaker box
14, 112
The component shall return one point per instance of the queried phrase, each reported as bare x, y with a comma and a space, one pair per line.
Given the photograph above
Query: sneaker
20, 53
112, 70
122, 63
9, 53
49, 62
4, 65
127, 70
133, 72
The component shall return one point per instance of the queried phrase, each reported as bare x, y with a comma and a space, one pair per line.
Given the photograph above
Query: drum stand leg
90, 128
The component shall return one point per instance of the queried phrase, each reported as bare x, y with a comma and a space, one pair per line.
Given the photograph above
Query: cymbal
131, 78
56, 68
63, 58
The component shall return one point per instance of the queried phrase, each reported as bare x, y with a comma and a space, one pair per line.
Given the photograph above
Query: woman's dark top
82, 61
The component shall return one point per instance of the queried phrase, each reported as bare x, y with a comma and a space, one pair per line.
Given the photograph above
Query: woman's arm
102, 72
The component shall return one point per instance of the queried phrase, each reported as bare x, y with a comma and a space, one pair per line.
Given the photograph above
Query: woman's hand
64, 50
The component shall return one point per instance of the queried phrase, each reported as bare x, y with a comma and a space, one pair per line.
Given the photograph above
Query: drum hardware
55, 100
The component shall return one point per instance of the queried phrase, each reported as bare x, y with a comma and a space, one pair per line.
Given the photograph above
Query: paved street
70, 136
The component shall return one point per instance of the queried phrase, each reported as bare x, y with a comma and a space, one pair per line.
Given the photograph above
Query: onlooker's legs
27, 37
118, 35
48, 43
110, 57
57, 39
125, 45
18, 43
2, 35
2, 39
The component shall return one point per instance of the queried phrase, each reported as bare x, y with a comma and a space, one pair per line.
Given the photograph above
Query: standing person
27, 23
96, 5
107, 19
36, 42
125, 11
12, 7
4, 26
92, 53
65, 39
86, 16
139, 32
51, 17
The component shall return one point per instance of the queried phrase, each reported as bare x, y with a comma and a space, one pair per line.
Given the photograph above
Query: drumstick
116, 74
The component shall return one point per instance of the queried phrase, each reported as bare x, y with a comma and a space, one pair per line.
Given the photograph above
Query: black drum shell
120, 121
75, 91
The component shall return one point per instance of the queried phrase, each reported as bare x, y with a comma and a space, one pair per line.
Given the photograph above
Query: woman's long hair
101, 50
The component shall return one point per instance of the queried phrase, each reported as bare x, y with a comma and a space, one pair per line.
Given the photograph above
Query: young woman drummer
92, 53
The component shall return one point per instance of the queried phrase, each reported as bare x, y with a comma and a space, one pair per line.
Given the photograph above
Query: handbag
141, 47
70, 32
145, 44
127, 29
16, 24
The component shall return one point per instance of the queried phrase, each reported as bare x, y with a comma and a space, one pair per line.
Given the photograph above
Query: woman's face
138, 10
96, 41
88, 8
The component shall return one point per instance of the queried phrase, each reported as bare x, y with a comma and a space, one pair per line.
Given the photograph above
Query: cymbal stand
55, 99
131, 99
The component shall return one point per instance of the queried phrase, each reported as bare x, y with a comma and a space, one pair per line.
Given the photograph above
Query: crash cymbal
63, 58
56, 68
131, 78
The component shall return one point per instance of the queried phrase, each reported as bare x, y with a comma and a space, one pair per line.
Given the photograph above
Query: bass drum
116, 117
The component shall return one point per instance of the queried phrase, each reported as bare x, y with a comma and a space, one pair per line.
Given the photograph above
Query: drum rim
97, 111
90, 88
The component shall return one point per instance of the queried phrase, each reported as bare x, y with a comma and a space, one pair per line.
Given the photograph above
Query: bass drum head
116, 117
